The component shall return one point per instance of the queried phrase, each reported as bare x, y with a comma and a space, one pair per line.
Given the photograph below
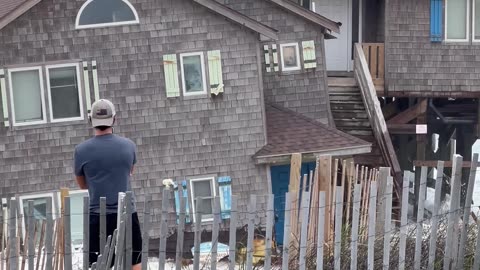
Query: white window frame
467, 22
42, 96
37, 196
204, 80
473, 22
99, 25
214, 194
49, 92
297, 52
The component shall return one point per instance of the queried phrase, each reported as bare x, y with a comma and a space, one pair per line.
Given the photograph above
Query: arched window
101, 13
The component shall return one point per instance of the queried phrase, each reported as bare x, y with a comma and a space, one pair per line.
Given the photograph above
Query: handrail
375, 115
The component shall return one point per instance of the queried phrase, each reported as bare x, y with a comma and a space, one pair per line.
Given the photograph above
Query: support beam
407, 129
410, 114
434, 163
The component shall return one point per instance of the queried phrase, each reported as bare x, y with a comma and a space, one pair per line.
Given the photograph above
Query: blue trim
225, 192
177, 201
436, 20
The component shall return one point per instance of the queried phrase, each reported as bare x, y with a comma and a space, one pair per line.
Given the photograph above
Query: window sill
196, 96
47, 124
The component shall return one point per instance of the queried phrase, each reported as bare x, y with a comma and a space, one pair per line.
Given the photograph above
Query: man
103, 165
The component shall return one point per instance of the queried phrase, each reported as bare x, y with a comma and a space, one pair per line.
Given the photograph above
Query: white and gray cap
103, 113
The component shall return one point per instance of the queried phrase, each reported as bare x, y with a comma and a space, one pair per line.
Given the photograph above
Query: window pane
289, 56
192, 70
76, 207
477, 19
106, 11
27, 96
456, 19
203, 189
64, 92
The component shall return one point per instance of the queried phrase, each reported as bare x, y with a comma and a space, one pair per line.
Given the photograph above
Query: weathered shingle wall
417, 66
302, 91
176, 137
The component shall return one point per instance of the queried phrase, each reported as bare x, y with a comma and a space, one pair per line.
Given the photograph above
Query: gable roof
12, 9
289, 132
308, 15
239, 18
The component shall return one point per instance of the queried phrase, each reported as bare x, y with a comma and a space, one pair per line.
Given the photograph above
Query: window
290, 56
457, 20
476, 18
27, 96
102, 13
205, 188
64, 96
39, 208
193, 74
76, 218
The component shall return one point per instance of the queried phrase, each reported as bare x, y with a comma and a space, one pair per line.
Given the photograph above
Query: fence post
404, 219
435, 216
49, 235
86, 231
467, 210
338, 226
454, 208
103, 223
371, 226
388, 223
233, 233
476, 262
112, 249
320, 232
286, 232
31, 233
355, 222
269, 231
128, 230
180, 230
251, 230
120, 241
163, 229
67, 229
13, 259
215, 228
198, 233
303, 233
420, 215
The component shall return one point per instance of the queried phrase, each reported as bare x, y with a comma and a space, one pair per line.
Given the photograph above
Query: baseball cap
103, 112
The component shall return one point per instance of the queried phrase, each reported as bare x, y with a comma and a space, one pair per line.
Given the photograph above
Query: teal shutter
215, 72
309, 56
171, 75
3, 90
225, 190
275, 57
436, 19
177, 201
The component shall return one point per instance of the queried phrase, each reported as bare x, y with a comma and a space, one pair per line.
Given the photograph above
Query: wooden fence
346, 224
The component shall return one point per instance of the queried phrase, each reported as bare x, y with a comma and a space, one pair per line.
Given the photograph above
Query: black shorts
111, 226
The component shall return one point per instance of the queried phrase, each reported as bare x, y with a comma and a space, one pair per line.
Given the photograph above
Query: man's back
106, 162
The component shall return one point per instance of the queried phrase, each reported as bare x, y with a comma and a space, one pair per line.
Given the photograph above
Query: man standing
103, 165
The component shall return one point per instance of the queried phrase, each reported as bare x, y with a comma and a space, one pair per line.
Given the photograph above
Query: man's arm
81, 182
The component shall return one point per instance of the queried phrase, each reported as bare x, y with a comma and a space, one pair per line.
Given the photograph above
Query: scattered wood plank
325, 176
388, 223
251, 229
233, 232
320, 232
371, 225
435, 215
180, 231
420, 216
355, 223
286, 232
338, 227
269, 232
215, 229
303, 232
164, 227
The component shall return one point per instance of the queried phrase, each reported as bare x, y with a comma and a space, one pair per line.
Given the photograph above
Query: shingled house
216, 94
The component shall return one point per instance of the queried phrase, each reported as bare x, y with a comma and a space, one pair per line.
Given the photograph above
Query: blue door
280, 176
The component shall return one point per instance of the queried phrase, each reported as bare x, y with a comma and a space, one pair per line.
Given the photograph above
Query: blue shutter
225, 190
436, 18
177, 201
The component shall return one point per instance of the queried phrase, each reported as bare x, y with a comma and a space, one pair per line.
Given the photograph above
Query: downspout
446, 120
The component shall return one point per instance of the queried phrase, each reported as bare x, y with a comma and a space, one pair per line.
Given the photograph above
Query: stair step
346, 106
350, 115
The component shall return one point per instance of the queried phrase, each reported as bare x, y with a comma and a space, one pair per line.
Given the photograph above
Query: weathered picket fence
365, 231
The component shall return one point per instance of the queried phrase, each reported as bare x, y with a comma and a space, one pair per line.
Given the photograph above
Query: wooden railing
375, 57
370, 99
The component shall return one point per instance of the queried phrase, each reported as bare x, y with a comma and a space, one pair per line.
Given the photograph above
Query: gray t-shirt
106, 162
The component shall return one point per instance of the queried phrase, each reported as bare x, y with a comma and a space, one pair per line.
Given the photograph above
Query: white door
339, 50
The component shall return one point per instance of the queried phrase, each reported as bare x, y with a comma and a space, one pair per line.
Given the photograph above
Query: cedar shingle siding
415, 65
176, 137
300, 91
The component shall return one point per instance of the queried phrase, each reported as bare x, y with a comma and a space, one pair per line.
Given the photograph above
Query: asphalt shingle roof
289, 132
7, 6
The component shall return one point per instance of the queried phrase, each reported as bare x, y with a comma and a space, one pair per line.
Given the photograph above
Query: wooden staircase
350, 116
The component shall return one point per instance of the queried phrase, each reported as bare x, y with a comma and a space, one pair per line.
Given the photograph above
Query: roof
12, 9
289, 132
239, 18
308, 15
